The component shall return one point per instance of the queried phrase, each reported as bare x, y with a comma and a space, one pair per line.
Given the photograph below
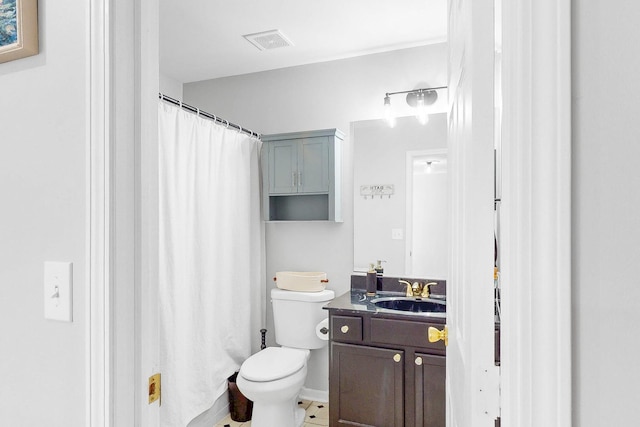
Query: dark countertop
356, 301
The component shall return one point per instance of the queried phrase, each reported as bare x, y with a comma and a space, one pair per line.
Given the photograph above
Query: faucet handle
409, 287
426, 289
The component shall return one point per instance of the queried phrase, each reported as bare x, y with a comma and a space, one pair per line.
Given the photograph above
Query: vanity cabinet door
366, 386
430, 374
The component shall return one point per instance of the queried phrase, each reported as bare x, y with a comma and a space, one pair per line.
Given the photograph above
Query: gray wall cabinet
302, 176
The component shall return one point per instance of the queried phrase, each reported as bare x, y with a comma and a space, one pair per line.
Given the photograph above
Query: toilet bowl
272, 379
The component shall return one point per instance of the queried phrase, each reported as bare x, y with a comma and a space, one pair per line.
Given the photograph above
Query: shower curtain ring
240, 128
197, 112
226, 123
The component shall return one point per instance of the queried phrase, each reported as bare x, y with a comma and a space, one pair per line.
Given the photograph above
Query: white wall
170, 87
606, 213
318, 96
43, 139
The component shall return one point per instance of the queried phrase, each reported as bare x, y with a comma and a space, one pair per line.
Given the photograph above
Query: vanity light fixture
416, 98
421, 112
388, 113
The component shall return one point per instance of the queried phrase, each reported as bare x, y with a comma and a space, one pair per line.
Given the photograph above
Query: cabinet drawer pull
293, 179
344, 329
418, 360
397, 357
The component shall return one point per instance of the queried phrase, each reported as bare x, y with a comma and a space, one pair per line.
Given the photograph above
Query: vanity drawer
346, 328
406, 333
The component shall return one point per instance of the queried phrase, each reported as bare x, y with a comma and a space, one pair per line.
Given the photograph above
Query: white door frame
122, 213
408, 247
536, 251
98, 298
536, 213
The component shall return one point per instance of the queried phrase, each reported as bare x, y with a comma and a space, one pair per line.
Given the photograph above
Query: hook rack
381, 190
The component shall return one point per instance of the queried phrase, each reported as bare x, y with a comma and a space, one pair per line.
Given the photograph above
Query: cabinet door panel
313, 165
367, 386
430, 391
283, 158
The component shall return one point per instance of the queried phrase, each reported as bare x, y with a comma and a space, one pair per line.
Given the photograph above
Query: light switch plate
58, 291
397, 234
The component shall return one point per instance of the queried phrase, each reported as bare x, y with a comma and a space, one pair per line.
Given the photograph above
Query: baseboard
314, 395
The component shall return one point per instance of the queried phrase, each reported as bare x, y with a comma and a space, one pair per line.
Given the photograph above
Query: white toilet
273, 377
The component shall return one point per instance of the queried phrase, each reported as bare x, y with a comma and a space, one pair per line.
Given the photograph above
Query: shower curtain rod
210, 116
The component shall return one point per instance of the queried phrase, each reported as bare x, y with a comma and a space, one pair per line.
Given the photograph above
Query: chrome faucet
418, 289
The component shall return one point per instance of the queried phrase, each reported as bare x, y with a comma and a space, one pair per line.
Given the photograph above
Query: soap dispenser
378, 268
372, 281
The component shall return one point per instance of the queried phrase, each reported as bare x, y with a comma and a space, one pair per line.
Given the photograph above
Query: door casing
536, 272
121, 344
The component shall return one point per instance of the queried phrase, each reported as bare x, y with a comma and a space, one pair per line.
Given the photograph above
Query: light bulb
421, 111
388, 114
428, 167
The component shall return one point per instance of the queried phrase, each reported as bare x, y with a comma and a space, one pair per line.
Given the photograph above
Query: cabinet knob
397, 357
435, 335
344, 329
418, 360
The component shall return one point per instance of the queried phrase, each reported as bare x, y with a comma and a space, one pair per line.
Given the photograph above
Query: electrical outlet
397, 234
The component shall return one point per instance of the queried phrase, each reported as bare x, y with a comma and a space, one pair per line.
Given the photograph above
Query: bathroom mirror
400, 196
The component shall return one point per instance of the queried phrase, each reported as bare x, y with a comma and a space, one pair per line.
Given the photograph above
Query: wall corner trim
536, 207
98, 411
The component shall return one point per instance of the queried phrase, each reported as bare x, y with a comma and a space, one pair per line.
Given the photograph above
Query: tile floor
317, 415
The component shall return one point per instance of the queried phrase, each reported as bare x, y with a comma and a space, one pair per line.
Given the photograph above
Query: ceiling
202, 39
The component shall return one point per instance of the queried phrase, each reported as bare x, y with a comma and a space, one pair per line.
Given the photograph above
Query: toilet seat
273, 363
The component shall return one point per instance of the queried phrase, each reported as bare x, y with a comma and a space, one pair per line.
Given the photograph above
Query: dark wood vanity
383, 371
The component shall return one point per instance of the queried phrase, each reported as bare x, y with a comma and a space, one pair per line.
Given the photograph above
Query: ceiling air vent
268, 40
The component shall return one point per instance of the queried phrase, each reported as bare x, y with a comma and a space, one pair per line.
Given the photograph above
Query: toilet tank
295, 316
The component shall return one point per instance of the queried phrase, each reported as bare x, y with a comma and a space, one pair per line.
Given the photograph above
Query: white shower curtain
211, 281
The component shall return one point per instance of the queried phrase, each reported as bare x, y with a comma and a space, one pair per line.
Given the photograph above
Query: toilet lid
273, 363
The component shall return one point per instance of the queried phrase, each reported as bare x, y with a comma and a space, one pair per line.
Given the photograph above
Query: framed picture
18, 29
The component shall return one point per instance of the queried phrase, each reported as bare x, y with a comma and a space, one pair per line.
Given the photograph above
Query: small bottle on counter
378, 268
372, 281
